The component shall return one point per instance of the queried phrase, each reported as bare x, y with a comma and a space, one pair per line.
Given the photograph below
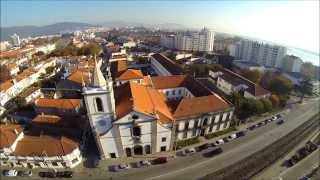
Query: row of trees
72, 50
200, 70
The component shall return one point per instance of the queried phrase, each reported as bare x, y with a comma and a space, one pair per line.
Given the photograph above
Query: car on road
232, 136
280, 121
202, 147
47, 174
159, 160
219, 142
278, 116
27, 173
240, 134
225, 139
190, 151
119, 167
64, 174
252, 127
304, 178
141, 164
287, 163
212, 152
10, 173
273, 118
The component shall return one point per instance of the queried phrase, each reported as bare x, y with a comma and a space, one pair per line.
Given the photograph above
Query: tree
50, 69
267, 104
252, 75
275, 101
280, 85
305, 87
308, 70
259, 107
4, 73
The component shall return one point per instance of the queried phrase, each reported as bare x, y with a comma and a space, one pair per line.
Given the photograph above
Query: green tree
280, 85
267, 104
252, 75
275, 101
305, 87
259, 107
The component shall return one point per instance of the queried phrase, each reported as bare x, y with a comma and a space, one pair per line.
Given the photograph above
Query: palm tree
305, 87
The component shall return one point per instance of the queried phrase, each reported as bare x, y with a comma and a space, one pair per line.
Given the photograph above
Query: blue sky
294, 23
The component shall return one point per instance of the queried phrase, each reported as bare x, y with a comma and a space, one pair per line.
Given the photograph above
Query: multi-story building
136, 119
164, 66
291, 63
258, 52
15, 40
196, 41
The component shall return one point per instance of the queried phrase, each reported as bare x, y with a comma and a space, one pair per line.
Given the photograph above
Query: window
205, 121
74, 160
99, 105
128, 152
185, 134
163, 148
167, 93
194, 132
186, 125
173, 92
179, 92
196, 123
136, 131
147, 149
113, 155
163, 139
135, 117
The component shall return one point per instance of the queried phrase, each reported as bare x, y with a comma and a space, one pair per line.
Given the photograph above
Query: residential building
20, 150
229, 82
258, 52
190, 41
164, 66
291, 63
60, 107
15, 40
121, 74
137, 119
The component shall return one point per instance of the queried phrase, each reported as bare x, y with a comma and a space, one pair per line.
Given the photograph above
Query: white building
15, 40
137, 119
258, 52
46, 48
291, 63
196, 41
20, 150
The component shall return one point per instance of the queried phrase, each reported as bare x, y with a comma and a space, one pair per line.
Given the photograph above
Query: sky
292, 23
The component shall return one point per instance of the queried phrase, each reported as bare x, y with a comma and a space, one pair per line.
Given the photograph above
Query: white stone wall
163, 131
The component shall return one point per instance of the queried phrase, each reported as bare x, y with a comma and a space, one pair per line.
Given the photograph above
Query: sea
305, 55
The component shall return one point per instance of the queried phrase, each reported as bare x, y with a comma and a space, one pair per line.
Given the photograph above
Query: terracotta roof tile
6, 85
58, 103
79, 75
8, 134
45, 146
130, 74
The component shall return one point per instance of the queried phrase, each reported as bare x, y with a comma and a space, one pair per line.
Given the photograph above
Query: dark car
279, 116
225, 139
202, 147
212, 152
47, 174
240, 134
25, 173
252, 127
279, 122
287, 163
160, 160
64, 174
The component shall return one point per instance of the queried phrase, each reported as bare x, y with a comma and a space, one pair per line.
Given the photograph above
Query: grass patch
183, 143
219, 133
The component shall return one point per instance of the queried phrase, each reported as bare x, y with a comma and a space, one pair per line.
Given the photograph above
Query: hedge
219, 133
187, 142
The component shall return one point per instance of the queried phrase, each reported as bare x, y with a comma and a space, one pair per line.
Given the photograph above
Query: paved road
197, 166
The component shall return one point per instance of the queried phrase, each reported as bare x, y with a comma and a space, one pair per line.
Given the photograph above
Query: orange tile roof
25, 73
130, 74
8, 134
6, 85
198, 105
45, 146
14, 53
50, 119
12, 65
79, 75
58, 103
165, 82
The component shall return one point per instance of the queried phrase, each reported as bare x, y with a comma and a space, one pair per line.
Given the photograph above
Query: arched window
99, 104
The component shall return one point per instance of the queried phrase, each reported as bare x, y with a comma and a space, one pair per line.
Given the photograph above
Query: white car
232, 136
220, 141
274, 118
11, 172
190, 151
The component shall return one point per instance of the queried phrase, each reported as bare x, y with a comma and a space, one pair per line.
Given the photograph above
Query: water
305, 55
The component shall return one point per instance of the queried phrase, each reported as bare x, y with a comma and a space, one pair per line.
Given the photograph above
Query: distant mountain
170, 26
121, 24
26, 31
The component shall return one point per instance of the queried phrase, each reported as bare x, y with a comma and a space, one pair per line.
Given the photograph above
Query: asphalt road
196, 166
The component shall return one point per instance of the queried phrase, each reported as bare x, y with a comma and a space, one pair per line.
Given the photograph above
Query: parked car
212, 152
252, 127
278, 116
190, 151
232, 136
181, 153
10, 173
225, 139
280, 121
64, 174
47, 174
274, 118
27, 173
160, 160
202, 147
287, 163
303, 178
240, 134
219, 142
143, 163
